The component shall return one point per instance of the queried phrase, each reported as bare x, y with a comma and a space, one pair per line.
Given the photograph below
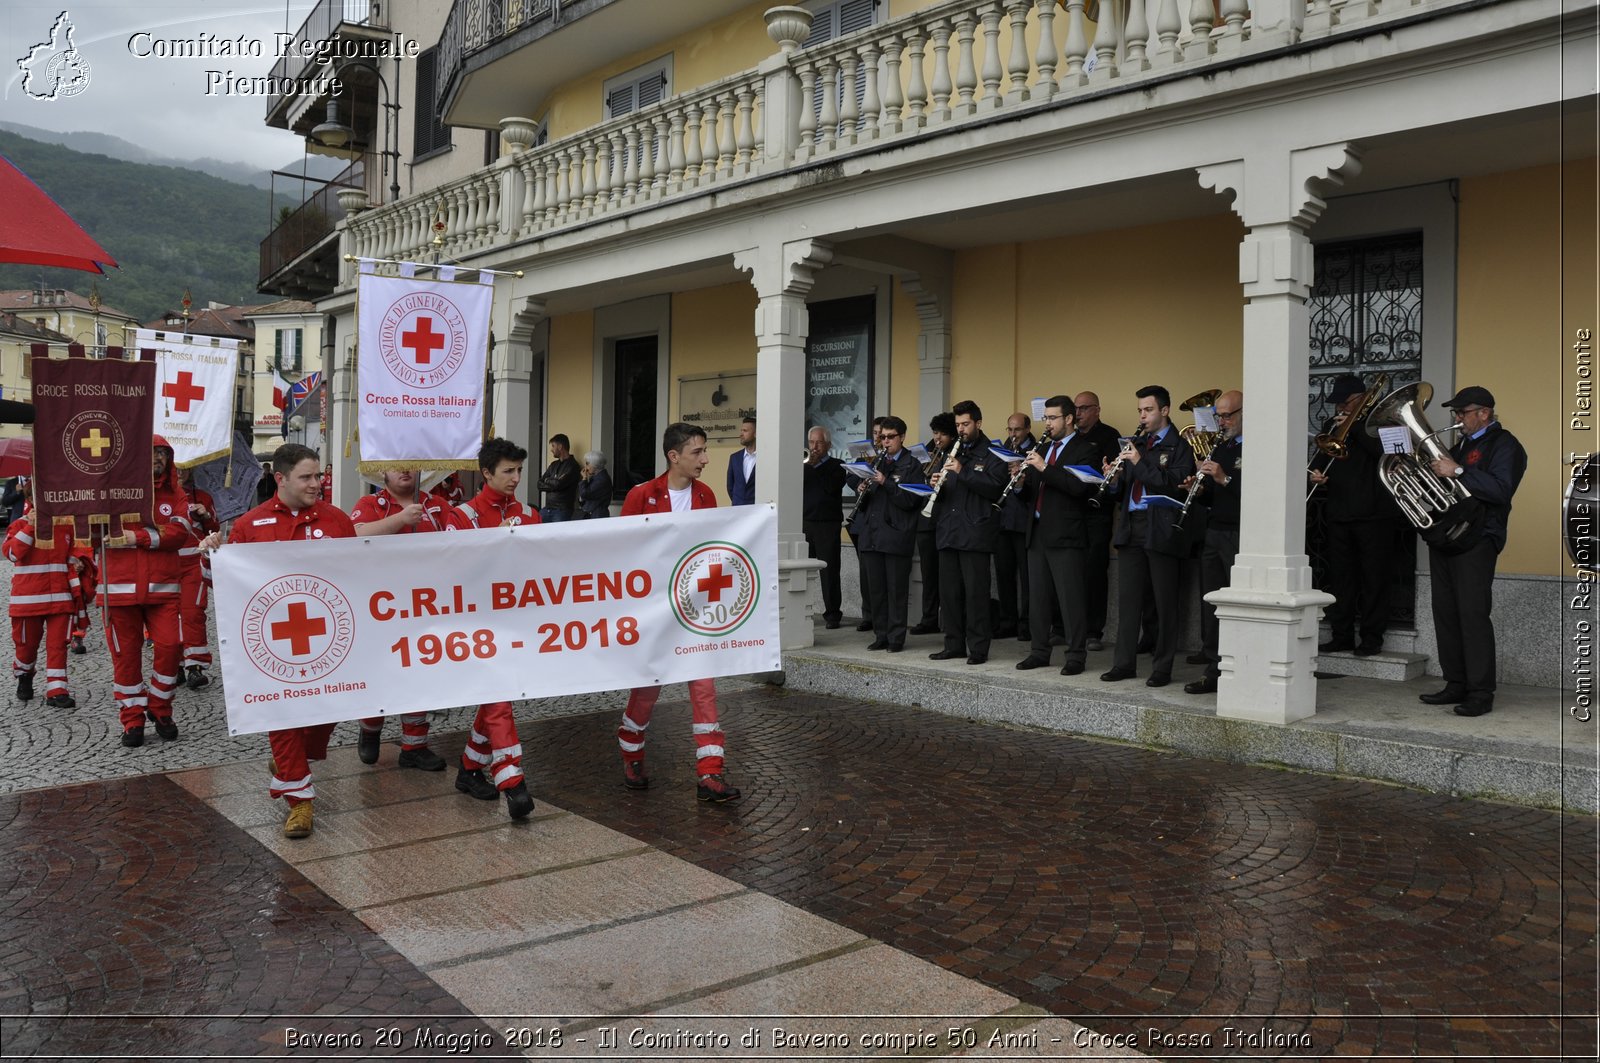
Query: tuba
1332, 444
1200, 441
1432, 503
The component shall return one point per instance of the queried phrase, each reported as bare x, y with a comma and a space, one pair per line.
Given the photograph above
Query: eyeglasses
1471, 409
1091, 406
1229, 414
889, 435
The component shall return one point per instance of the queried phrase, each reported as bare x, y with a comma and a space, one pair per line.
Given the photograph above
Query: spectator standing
742, 467
559, 483
594, 487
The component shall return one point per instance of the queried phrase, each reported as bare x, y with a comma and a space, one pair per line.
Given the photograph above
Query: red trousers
708, 736
192, 615
494, 746
413, 729
26, 631
125, 629
293, 750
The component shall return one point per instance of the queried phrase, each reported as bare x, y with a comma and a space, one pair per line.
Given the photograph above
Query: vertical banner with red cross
195, 378
93, 423
422, 354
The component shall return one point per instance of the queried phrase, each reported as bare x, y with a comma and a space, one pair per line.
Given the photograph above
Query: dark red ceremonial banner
94, 419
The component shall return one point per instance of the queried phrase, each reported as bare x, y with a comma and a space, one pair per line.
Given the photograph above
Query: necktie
1138, 490
1038, 503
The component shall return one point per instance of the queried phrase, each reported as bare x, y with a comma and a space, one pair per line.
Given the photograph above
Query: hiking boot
715, 788
633, 776
197, 678
519, 802
25, 687
422, 758
77, 645
61, 701
367, 746
473, 784
298, 825
133, 737
165, 727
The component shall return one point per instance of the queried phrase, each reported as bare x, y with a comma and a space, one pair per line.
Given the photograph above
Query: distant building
17, 335
71, 315
288, 335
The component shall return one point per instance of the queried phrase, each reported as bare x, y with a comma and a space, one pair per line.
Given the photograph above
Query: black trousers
1137, 569
889, 577
866, 591
1096, 580
928, 555
1011, 579
822, 539
964, 599
1358, 569
1055, 581
1463, 596
1216, 559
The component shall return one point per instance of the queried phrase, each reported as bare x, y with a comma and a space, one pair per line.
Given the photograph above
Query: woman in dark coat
594, 489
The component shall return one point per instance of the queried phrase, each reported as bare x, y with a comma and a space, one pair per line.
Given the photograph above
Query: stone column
339, 370
512, 366
1268, 613
931, 295
782, 275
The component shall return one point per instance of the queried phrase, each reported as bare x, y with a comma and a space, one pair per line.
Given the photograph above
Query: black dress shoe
1198, 658
1450, 695
978, 658
1028, 663
1024, 634
896, 647
1336, 646
830, 624
878, 644
1072, 668
1475, 705
1369, 649
1158, 681
925, 629
1201, 686
943, 655
865, 625
1117, 675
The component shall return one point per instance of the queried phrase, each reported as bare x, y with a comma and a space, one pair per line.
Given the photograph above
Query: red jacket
41, 582
376, 507
150, 570
652, 497
490, 509
274, 522
201, 527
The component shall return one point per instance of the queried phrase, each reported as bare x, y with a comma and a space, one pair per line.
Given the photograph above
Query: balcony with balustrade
334, 30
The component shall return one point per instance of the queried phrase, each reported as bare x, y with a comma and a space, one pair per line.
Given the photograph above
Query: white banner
195, 381
420, 369
338, 629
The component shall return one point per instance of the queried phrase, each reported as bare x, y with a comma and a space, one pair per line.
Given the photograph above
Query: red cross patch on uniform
1472, 456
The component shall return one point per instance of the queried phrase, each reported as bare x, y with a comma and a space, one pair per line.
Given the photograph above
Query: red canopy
37, 232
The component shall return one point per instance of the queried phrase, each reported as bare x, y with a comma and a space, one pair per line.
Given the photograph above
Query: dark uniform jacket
966, 517
1492, 467
1223, 499
1063, 521
1161, 468
1104, 437
1353, 491
1014, 517
823, 483
885, 520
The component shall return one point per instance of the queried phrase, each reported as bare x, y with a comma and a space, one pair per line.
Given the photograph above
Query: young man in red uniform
42, 603
399, 509
494, 744
678, 490
294, 512
196, 584
140, 589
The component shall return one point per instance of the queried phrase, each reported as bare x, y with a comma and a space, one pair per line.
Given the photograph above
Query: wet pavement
967, 882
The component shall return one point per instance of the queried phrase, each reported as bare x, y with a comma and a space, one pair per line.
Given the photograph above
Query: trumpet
1098, 499
933, 499
1333, 445
1016, 477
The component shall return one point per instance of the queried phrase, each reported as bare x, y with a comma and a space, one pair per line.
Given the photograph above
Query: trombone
1333, 445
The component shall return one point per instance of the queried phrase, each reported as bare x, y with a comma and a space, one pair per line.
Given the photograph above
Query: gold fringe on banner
192, 462
378, 468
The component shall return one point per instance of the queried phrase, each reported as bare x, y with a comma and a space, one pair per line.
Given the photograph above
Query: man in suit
1097, 559
887, 535
823, 516
966, 529
1149, 546
1056, 505
856, 483
943, 427
742, 467
1011, 549
1221, 493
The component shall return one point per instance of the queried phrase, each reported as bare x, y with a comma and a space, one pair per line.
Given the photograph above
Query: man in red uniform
42, 603
196, 584
139, 590
494, 744
398, 509
294, 512
678, 490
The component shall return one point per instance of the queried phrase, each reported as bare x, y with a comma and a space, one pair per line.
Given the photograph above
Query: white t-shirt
682, 501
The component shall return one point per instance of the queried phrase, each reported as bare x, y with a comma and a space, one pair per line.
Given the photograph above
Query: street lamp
333, 133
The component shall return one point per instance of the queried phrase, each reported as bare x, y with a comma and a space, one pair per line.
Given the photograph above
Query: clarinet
933, 499
1098, 499
1016, 478
878, 457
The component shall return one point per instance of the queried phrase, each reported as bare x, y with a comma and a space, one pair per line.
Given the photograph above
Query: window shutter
621, 101
836, 20
652, 90
856, 15
428, 133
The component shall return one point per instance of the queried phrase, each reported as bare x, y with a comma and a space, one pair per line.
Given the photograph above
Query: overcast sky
158, 103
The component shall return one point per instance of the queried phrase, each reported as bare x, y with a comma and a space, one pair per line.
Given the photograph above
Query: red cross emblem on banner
714, 582
423, 341
183, 391
299, 629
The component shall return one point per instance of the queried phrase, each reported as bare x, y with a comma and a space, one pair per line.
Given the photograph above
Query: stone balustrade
954, 62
